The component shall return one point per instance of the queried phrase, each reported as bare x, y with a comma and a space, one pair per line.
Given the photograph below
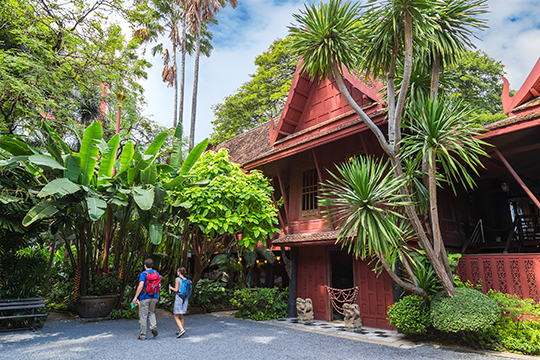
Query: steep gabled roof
248, 145
527, 96
310, 103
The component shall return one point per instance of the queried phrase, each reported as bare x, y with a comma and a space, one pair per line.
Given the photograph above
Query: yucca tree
443, 140
336, 36
456, 20
364, 201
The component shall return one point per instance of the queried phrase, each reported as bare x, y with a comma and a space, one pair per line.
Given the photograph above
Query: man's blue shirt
142, 278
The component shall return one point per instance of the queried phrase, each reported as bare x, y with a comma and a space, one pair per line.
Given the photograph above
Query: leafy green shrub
519, 328
411, 315
470, 310
210, 293
261, 304
425, 274
22, 273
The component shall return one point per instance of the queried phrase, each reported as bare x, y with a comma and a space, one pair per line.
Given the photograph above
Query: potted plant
102, 298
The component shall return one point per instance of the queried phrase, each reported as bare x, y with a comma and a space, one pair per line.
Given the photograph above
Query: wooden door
375, 295
312, 278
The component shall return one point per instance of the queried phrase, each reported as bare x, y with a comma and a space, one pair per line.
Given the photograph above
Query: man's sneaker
154, 332
140, 338
179, 335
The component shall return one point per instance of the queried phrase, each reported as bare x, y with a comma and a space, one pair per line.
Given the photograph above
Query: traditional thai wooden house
318, 130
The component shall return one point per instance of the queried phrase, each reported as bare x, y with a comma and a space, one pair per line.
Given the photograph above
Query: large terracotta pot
96, 306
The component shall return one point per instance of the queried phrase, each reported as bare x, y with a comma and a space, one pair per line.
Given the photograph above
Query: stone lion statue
352, 316
304, 310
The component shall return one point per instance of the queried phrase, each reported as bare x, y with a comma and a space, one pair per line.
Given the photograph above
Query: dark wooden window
310, 186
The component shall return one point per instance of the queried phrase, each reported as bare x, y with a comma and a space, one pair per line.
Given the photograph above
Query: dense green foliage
425, 275
261, 304
470, 310
519, 326
22, 274
478, 83
260, 99
411, 315
54, 56
210, 293
84, 195
232, 203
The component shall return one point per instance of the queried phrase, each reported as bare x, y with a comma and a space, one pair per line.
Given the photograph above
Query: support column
517, 178
293, 283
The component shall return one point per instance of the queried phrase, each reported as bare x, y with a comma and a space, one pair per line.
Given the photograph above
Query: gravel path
207, 337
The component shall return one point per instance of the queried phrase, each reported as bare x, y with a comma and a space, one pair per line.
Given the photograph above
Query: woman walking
180, 304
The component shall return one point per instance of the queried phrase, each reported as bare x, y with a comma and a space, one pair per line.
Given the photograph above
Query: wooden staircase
524, 237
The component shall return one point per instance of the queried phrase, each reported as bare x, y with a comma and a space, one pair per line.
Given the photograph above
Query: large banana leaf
176, 155
73, 165
126, 159
144, 197
89, 152
15, 147
51, 144
45, 160
149, 175
108, 159
62, 186
96, 207
156, 231
177, 181
134, 172
193, 156
155, 146
40, 211
191, 159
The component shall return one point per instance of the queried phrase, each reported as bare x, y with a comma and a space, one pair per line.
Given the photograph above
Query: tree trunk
51, 258
407, 286
182, 73
439, 268
395, 138
195, 88
435, 75
175, 112
185, 244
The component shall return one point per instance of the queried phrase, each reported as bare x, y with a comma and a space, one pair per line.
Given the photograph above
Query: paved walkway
214, 336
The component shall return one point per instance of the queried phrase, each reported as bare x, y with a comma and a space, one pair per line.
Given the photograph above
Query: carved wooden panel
516, 274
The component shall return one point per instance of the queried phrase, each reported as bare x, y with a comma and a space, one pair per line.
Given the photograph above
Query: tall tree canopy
54, 55
478, 83
259, 99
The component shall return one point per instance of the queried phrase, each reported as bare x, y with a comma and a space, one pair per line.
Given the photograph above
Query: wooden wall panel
312, 278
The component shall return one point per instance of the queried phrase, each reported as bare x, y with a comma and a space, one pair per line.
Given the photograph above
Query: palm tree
173, 16
196, 12
334, 36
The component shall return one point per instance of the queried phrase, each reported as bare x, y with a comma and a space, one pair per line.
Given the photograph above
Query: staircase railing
474, 239
525, 231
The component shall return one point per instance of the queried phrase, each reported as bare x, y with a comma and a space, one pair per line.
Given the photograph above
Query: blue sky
513, 37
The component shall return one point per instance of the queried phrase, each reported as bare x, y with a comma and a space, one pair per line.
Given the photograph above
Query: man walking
148, 289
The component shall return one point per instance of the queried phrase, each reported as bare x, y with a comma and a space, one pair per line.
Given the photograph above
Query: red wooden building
318, 129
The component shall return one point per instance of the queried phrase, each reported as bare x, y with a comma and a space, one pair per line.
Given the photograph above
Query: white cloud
513, 37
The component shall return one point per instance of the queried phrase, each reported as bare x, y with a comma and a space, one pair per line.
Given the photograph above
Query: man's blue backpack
185, 289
